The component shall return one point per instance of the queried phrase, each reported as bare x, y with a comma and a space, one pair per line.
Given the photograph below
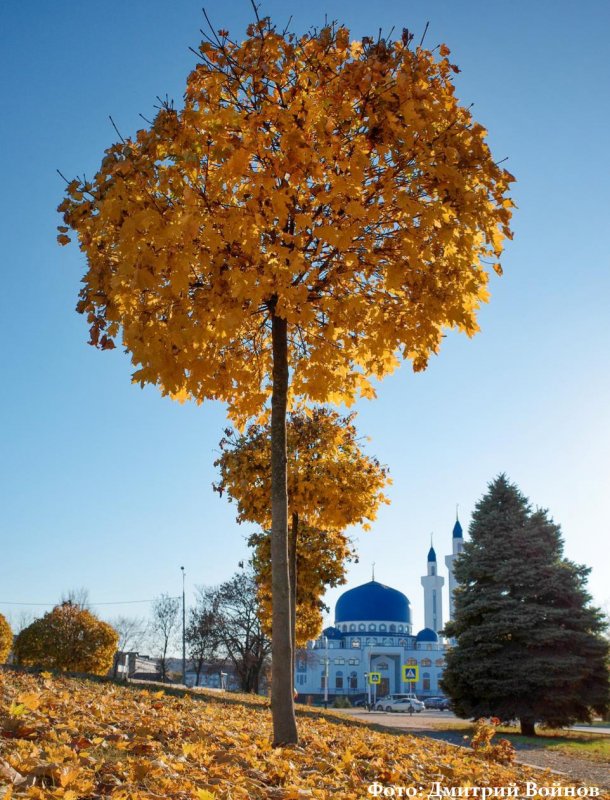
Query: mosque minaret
458, 546
433, 594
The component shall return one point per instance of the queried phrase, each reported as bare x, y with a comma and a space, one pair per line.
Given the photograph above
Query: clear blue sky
106, 486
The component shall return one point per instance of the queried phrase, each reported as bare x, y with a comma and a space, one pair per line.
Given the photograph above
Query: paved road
591, 729
426, 720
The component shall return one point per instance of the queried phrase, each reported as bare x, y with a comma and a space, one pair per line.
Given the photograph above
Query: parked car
398, 696
404, 704
439, 703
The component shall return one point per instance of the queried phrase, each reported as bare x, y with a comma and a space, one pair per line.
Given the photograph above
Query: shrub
69, 639
6, 639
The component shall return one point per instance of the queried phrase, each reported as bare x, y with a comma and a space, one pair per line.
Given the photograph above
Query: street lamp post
183, 629
326, 673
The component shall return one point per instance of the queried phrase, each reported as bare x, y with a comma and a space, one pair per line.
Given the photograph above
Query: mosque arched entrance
386, 666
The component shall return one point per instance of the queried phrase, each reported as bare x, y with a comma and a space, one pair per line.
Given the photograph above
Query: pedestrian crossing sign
374, 677
410, 673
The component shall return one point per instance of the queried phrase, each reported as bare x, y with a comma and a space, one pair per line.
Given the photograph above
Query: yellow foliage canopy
332, 484
321, 560
341, 187
69, 639
6, 639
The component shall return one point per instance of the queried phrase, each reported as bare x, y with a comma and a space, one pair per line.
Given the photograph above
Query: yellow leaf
31, 700
203, 794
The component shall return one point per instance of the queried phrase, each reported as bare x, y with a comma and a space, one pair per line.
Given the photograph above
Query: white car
405, 704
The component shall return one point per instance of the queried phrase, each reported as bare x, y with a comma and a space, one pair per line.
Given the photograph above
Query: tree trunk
164, 663
282, 702
528, 727
292, 568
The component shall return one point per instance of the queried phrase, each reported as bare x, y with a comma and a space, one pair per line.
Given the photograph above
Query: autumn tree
69, 639
131, 631
6, 639
317, 210
528, 643
332, 484
321, 558
164, 628
202, 635
239, 628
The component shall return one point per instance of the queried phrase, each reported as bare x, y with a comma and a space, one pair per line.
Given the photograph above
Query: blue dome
457, 530
332, 633
373, 601
431, 554
426, 635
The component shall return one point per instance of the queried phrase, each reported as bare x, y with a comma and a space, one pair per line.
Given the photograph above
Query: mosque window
356, 643
339, 661
400, 629
426, 681
352, 627
353, 680
382, 666
382, 627
411, 661
339, 680
354, 661
301, 679
323, 680
372, 627
392, 628
439, 662
362, 627
344, 628
425, 662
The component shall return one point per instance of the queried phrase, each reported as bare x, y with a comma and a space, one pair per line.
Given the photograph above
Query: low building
130, 664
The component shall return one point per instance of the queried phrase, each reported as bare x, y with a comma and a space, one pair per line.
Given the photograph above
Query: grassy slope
75, 739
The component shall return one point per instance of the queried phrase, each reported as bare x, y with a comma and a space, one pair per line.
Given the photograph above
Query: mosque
373, 634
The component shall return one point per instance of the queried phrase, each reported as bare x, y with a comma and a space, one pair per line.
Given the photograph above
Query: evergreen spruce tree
528, 643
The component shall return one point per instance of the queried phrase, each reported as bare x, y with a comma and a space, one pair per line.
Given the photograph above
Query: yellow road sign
410, 673
374, 677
